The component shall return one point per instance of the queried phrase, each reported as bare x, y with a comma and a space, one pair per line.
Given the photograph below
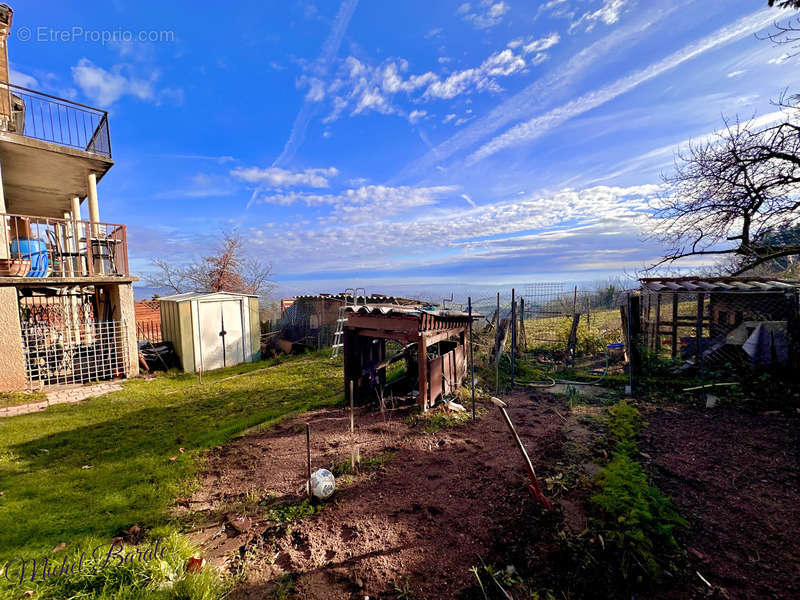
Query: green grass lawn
127, 439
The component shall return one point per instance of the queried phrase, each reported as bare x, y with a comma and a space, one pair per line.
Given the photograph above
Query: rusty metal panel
434, 378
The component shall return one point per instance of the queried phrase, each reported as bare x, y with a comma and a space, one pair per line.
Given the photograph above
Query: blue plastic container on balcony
34, 251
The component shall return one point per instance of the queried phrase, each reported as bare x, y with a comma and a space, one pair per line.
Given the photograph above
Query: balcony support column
4, 241
76, 261
94, 218
94, 208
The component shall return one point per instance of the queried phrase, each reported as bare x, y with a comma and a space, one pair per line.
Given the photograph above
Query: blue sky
403, 143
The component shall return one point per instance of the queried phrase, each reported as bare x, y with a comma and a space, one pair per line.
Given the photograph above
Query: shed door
232, 326
211, 344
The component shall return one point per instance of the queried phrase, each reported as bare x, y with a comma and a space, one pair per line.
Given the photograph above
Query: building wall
124, 311
12, 372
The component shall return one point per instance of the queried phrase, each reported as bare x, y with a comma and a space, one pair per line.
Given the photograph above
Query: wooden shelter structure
741, 320
434, 340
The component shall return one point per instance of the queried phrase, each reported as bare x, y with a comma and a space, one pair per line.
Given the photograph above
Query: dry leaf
86, 467
193, 565
181, 450
60, 547
173, 458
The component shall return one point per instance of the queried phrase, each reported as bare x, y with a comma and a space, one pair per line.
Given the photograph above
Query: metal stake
308, 457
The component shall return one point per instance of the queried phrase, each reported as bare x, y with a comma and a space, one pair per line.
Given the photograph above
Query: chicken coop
739, 321
432, 343
211, 330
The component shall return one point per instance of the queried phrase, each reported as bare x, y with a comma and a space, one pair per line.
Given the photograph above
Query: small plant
404, 592
635, 517
431, 422
289, 512
572, 395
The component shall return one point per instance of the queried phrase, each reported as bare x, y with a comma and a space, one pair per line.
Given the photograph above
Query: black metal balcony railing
51, 119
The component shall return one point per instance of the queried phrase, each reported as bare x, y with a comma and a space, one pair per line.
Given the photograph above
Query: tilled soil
735, 476
422, 520
443, 502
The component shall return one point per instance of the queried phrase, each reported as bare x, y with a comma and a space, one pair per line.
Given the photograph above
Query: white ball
322, 483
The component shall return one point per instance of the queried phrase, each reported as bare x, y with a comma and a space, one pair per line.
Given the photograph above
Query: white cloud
416, 115
609, 14
779, 60
736, 73
469, 200
277, 177
541, 125
106, 87
316, 90
485, 14
562, 226
539, 93
541, 44
365, 203
360, 87
22, 79
449, 117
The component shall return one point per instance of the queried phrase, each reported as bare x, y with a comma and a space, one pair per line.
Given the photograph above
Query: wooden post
522, 337
352, 424
422, 360
471, 358
497, 357
308, 458
657, 332
699, 342
634, 334
793, 328
513, 332
675, 340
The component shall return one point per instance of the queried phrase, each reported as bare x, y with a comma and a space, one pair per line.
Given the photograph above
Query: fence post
699, 344
471, 359
675, 325
513, 332
793, 327
634, 331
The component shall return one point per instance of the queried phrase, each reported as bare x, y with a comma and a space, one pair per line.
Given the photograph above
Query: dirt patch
735, 477
419, 521
429, 506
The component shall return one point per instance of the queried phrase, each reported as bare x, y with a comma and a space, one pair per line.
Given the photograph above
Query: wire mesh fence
733, 332
67, 354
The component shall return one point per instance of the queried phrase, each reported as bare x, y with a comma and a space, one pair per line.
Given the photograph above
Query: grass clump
289, 512
162, 577
8, 399
434, 421
637, 521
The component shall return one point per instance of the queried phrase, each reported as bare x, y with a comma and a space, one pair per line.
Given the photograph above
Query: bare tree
732, 195
228, 269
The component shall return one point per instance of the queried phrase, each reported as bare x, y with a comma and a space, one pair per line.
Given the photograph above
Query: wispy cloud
537, 94
277, 177
365, 203
608, 13
484, 14
360, 88
539, 126
329, 50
